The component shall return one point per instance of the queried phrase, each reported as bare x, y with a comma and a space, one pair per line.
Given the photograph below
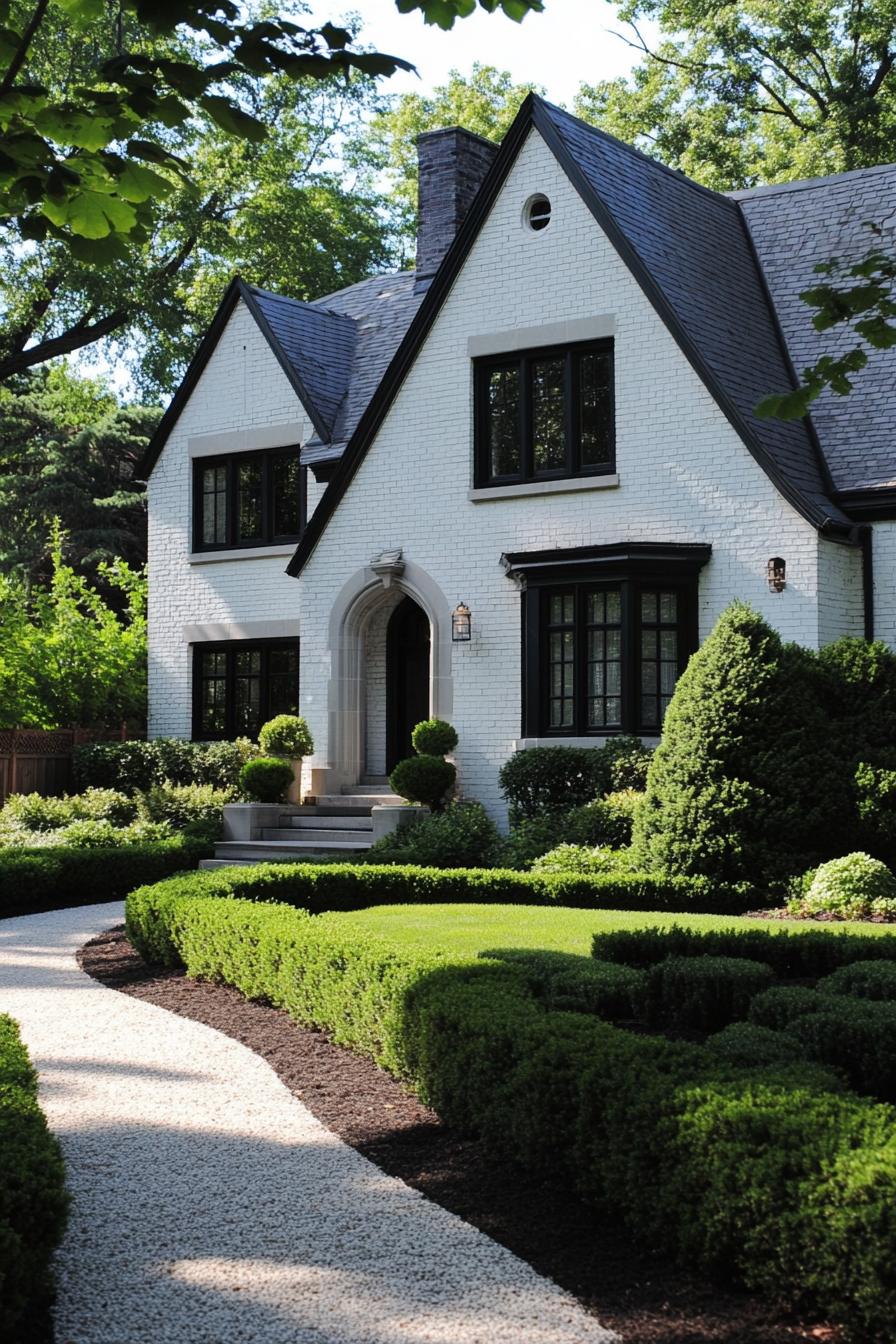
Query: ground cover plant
688, 1145
33, 1199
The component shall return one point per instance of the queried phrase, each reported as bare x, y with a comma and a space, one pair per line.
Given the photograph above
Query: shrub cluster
33, 1199
543, 780
33, 812
606, 822
188, 809
133, 767
44, 879
703, 1154
463, 836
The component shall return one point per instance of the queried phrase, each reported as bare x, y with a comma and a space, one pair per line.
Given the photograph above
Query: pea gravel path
210, 1205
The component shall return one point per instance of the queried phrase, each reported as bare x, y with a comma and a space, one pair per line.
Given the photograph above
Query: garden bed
644, 1296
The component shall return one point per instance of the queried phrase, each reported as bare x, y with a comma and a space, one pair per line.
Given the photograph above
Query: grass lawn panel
467, 930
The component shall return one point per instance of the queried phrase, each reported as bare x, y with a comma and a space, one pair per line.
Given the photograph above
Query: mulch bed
644, 1296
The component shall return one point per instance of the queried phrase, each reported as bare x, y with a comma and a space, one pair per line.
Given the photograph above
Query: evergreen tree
747, 784
67, 451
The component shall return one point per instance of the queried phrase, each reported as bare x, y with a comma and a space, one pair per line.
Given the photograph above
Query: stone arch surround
356, 605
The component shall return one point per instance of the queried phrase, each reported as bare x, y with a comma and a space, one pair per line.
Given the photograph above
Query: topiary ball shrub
286, 735
423, 779
853, 887
434, 737
266, 779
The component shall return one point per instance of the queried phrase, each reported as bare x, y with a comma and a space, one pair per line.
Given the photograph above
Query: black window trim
631, 567
485, 365
231, 647
232, 462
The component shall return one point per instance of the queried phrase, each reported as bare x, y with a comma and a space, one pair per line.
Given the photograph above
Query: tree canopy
737, 92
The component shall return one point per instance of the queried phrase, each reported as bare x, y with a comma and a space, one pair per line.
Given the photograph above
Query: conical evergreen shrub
746, 785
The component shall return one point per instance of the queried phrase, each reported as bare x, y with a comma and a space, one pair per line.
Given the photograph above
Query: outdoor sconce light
776, 574
461, 624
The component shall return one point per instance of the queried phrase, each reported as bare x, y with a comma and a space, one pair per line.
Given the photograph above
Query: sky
571, 42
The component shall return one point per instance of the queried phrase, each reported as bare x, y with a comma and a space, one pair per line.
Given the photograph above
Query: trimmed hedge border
33, 1198
323, 887
58, 877
792, 952
765, 1172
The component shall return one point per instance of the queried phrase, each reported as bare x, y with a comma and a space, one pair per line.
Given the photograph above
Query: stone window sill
567, 486
241, 553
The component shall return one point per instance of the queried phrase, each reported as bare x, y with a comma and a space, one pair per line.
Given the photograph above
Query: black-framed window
239, 685
544, 414
607, 631
248, 499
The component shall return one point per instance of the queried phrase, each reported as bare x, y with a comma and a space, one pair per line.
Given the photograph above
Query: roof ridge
311, 305
808, 183
677, 174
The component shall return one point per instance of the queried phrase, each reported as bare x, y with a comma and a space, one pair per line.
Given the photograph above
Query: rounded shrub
583, 859
862, 980
423, 779
703, 993
747, 1045
542, 780
855, 886
434, 737
266, 779
782, 1004
286, 735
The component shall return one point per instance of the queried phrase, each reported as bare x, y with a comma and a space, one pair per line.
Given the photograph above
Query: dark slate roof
318, 345
381, 310
794, 226
692, 253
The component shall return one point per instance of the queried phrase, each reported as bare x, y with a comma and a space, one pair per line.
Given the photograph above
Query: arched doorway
407, 678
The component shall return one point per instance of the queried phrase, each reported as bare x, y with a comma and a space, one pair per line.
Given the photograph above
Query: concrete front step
285, 851
356, 802
295, 838
368, 790
313, 819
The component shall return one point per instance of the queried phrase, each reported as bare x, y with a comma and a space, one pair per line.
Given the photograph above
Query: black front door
407, 678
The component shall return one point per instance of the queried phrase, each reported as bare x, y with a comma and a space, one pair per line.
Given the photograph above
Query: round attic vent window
537, 213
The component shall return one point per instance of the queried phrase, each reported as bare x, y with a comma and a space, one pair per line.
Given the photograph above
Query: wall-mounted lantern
461, 624
777, 574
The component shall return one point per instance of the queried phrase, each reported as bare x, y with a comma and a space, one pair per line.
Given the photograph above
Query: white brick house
551, 421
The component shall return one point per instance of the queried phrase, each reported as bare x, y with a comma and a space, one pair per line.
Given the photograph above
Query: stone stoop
333, 824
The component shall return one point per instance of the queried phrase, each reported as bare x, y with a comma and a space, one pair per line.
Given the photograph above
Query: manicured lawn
477, 928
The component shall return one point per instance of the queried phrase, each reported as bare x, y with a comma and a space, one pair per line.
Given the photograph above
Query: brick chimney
452, 164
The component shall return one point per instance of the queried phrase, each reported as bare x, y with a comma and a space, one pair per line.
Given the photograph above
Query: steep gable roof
795, 226
692, 254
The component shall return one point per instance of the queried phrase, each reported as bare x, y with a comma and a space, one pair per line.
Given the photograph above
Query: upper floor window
543, 414
248, 499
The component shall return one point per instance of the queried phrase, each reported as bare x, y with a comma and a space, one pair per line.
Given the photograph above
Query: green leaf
92, 214
786, 405
75, 126
233, 119
137, 183
99, 251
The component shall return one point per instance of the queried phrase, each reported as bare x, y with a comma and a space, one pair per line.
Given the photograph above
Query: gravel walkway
210, 1205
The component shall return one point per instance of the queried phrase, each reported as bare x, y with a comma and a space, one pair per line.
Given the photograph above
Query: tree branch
881, 73
76, 338
18, 60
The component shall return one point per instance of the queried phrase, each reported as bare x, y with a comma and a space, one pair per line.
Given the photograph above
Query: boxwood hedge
764, 1172
41, 879
33, 1199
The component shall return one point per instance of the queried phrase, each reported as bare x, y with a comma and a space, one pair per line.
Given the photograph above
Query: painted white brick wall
883, 542
841, 607
241, 388
685, 476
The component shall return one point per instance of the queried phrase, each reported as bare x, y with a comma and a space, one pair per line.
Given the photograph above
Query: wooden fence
39, 760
